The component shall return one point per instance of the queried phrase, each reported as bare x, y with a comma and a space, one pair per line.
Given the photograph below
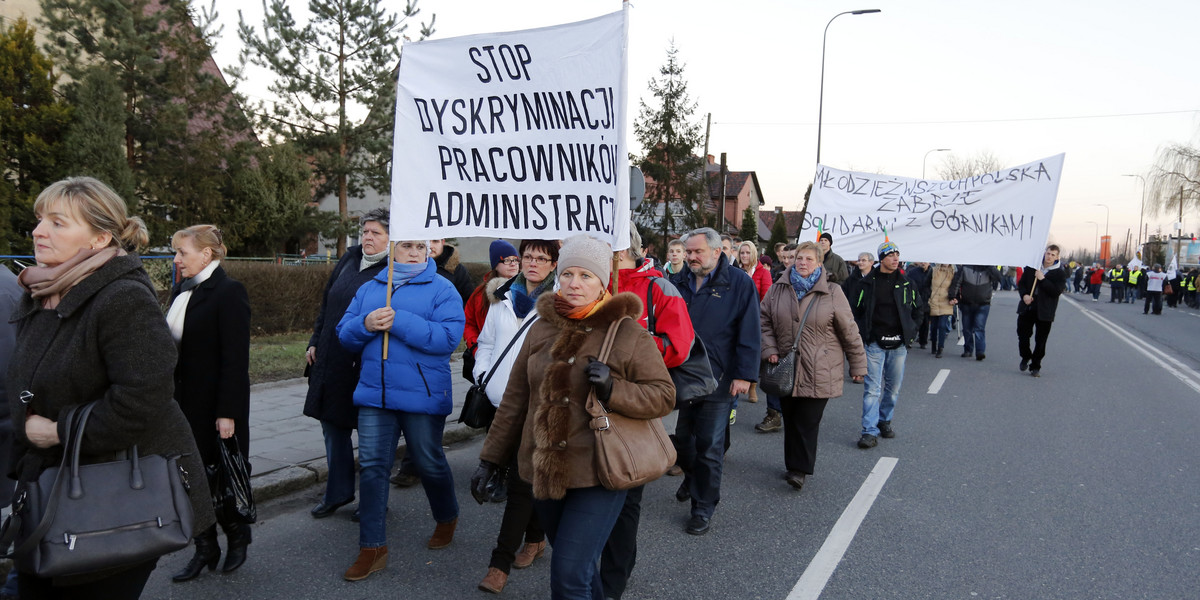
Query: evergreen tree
32, 124
184, 132
669, 136
341, 62
749, 230
778, 234
95, 141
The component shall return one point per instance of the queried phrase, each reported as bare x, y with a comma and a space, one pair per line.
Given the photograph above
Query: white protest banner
999, 218
518, 134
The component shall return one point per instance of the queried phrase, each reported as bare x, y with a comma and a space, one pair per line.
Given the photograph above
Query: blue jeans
940, 328
885, 372
700, 444
339, 457
378, 433
577, 527
974, 320
773, 403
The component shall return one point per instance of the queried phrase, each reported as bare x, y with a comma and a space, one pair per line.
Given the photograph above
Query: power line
1015, 120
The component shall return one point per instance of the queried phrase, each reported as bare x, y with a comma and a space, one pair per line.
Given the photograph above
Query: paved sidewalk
287, 450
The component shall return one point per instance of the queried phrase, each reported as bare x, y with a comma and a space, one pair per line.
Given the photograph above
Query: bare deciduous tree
1175, 179
957, 167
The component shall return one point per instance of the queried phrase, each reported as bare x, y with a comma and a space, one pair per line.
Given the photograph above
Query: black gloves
479, 480
600, 376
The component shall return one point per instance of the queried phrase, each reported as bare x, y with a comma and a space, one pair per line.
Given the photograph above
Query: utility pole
1179, 234
703, 200
724, 180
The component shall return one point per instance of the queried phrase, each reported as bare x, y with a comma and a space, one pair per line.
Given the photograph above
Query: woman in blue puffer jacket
410, 392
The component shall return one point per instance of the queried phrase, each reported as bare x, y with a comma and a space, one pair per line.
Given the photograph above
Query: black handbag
477, 410
79, 519
779, 379
694, 378
230, 484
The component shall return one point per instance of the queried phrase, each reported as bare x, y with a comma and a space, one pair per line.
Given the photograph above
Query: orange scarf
582, 312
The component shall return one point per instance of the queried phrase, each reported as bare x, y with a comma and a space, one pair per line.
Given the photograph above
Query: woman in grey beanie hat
586, 252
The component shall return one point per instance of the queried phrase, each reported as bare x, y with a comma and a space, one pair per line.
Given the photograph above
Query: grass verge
277, 357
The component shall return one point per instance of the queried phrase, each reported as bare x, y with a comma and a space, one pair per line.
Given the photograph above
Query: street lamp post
1106, 213
1141, 212
927, 158
821, 100
1097, 224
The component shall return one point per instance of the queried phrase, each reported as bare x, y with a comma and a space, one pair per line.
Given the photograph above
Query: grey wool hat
586, 252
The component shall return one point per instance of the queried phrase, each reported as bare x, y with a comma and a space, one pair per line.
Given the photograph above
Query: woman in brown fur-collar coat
543, 420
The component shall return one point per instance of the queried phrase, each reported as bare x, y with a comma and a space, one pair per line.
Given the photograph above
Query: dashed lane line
817, 575
936, 386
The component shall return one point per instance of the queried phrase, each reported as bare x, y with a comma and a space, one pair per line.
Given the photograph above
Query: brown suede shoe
369, 560
443, 534
528, 554
494, 581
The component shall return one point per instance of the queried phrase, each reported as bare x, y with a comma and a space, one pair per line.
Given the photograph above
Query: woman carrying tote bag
90, 328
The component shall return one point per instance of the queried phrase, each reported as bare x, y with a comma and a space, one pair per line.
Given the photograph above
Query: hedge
283, 298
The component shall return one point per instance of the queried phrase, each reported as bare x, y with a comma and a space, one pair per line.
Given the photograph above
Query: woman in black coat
90, 328
209, 320
333, 371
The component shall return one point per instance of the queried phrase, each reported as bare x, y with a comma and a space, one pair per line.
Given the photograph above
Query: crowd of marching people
561, 360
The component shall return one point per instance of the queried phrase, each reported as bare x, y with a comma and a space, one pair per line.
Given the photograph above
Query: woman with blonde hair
804, 312
90, 329
747, 260
209, 320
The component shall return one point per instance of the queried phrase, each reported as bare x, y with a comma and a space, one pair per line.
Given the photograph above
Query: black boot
208, 553
238, 536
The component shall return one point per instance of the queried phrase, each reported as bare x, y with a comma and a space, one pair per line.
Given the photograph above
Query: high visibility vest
1191, 283
1117, 276
1133, 277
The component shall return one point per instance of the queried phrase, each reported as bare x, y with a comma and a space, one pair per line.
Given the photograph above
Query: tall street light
1106, 212
1140, 212
821, 100
1097, 239
927, 158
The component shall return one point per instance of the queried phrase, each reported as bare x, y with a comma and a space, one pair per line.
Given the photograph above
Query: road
1079, 484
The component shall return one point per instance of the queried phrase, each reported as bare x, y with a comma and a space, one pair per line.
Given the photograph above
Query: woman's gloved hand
479, 480
600, 376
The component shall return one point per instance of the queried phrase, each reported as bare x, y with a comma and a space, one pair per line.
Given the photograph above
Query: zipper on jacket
422, 373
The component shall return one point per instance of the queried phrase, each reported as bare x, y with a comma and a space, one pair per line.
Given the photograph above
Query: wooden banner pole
388, 301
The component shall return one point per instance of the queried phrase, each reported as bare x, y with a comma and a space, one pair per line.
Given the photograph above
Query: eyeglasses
535, 260
512, 260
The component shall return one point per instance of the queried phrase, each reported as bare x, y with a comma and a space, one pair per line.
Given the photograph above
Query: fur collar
620, 305
493, 284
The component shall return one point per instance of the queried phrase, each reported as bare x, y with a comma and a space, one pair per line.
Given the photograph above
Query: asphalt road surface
1080, 484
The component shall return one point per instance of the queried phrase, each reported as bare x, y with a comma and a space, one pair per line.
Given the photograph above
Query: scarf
523, 300
50, 284
579, 312
803, 284
370, 260
178, 310
402, 273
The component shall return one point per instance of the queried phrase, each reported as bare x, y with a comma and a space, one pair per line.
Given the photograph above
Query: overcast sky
1108, 83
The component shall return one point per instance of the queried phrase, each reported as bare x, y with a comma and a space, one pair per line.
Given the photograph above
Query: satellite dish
637, 187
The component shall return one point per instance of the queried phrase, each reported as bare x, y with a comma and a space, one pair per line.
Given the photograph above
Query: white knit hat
586, 252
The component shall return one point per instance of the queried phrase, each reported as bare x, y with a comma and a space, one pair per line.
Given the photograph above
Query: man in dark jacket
723, 305
885, 306
1040, 289
448, 266
834, 265
919, 274
972, 286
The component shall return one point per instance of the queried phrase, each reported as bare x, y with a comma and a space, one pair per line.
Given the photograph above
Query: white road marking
1190, 377
813, 581
936, 386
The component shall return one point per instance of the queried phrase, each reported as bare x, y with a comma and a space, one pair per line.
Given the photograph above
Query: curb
297, 478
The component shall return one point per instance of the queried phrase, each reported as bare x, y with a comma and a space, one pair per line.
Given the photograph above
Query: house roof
734, 184
791, 218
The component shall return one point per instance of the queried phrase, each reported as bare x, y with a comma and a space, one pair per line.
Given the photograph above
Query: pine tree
96, 138
749, 230
669, 136
184, 132
33, 122
341, 62
778, 234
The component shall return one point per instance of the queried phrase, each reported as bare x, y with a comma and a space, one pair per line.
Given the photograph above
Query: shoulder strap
650, 306
803, 319
500, 358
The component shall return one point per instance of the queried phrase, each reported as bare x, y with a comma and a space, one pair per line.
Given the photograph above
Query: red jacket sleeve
476, 311
762, 281
671, 320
